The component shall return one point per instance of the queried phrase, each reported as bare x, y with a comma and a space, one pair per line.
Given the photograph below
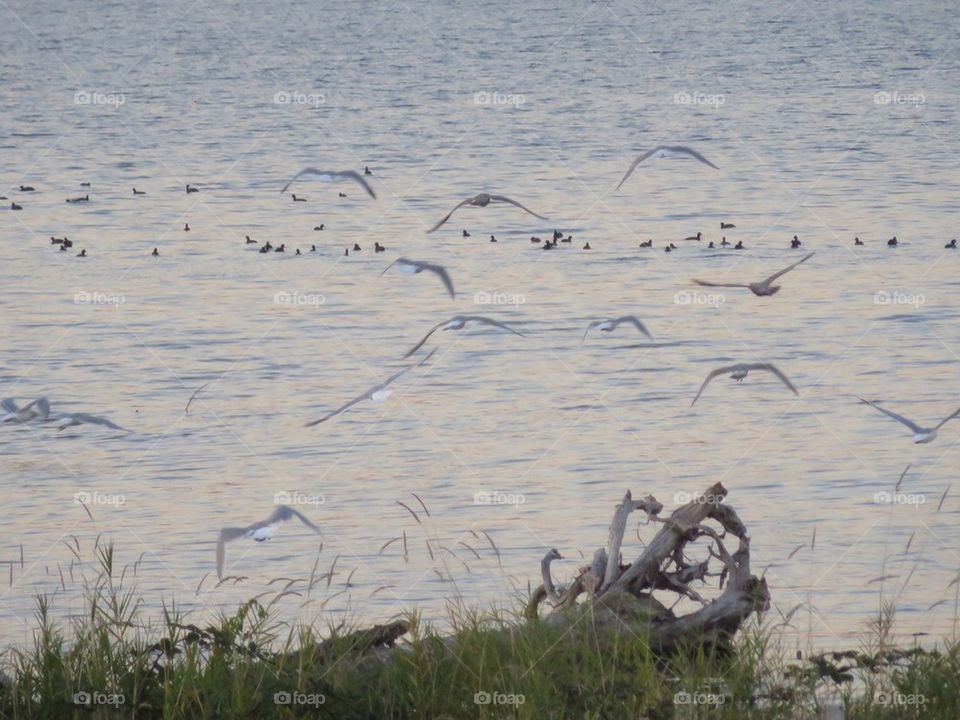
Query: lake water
826, 121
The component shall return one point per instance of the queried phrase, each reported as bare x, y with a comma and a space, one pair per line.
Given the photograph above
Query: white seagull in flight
739, 371
611, 324
456, 323
259, 531
331, 175
37, 409
666, 151
482, 200
762, 288
377, 394
416, 267
920, 434
83, 418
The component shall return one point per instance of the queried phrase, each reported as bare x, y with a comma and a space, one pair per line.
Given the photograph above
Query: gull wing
349, 174
441, 272
635, 321
78, 418
590, 327
398, 260
339, 410
9, 404
900, 418
488, 321
427, 336
504, 198
42, 405
449, 214
770, 367
285, 512
226, 534
711, 376
949, 417
715, 284
369, 393
636, 162
692, 153
787, 269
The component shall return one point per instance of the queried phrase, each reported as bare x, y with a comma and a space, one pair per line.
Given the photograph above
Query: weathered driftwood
620, 597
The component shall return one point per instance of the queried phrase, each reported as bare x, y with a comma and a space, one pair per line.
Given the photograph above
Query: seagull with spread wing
83, 418
37, 409
456, 323
259, 531
611, 324
762, 288
666, 151
331, 175
920, 434
739, 371
377, 394
415, 267
482, 200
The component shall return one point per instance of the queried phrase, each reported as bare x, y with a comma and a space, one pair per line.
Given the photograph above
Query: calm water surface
826, 122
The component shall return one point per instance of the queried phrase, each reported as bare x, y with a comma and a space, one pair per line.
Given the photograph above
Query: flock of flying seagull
39, 409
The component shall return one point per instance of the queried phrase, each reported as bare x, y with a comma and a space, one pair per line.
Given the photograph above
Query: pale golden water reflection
804, 148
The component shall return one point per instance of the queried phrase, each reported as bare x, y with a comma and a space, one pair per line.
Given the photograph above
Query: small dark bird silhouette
155, 253
186, 227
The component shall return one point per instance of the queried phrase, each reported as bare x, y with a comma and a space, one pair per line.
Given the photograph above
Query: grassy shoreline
109, 663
